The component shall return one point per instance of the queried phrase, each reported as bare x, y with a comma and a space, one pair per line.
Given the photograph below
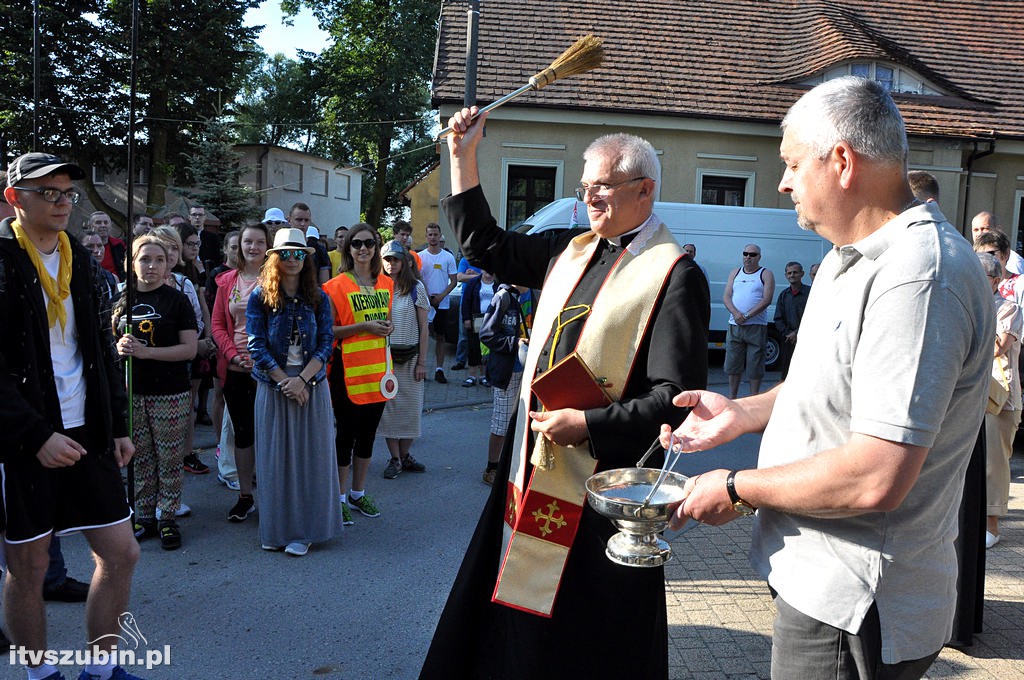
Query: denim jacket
270, 330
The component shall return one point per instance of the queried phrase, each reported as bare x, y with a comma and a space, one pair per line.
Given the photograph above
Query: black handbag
400, 354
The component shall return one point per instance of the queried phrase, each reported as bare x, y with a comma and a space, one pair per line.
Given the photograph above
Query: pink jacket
223, 323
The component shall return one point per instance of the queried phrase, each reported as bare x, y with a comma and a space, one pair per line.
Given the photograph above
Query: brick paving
720, 613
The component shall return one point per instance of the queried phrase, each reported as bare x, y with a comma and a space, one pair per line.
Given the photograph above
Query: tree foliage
192, 58
278, 104
374, 80
80, 112
216, 172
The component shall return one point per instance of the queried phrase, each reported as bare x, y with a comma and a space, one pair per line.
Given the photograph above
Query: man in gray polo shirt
866, 443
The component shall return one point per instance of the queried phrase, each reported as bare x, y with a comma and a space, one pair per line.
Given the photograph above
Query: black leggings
356, 424
240, 398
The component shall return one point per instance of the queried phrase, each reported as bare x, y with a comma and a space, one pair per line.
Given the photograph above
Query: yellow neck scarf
57, 290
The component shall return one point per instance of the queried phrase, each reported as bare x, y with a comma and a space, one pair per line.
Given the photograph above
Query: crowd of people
859, 480
286, 368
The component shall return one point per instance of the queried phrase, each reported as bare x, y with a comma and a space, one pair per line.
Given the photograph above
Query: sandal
469, 382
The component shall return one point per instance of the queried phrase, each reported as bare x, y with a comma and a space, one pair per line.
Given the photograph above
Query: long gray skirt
296, 468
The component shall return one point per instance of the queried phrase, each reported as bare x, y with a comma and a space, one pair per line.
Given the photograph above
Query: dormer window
893, 78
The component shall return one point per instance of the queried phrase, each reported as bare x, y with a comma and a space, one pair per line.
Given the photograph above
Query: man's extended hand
60, 451
565, 427
713, 420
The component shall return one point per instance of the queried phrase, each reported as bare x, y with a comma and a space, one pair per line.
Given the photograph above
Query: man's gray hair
633, 156
990, 264
854, 110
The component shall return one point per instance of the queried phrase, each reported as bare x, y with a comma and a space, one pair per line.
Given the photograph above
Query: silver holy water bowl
619, 495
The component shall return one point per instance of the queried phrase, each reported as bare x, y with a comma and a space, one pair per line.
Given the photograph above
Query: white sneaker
230, 483
183, 511
990, 539
297, 549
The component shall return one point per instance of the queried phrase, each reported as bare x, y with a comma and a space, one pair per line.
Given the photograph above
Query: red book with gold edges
570, 384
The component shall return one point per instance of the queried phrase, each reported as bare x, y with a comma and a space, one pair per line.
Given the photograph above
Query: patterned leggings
160, 430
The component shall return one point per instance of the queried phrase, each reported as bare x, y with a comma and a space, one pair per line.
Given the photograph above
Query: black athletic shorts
38, 500
440, 321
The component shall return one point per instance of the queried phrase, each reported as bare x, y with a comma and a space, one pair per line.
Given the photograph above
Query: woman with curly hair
289, 322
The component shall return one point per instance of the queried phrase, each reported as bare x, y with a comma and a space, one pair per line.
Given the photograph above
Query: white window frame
317, 175
558, 165
343, 188
1018, 199
749, 175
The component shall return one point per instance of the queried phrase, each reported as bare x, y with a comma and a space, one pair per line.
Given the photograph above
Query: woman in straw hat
290, 336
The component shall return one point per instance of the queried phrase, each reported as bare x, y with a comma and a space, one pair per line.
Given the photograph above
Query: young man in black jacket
63, 428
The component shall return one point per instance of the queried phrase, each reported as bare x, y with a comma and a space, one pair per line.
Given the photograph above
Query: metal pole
472, 30
129, 281
35, 75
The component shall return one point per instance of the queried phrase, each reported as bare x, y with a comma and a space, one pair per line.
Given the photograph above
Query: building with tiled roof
708, 83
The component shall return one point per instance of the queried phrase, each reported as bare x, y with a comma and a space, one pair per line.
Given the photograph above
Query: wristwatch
738, 504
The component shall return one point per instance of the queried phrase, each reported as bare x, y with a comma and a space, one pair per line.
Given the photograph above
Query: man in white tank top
748, 293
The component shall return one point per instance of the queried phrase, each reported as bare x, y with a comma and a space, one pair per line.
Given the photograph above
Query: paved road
364, 606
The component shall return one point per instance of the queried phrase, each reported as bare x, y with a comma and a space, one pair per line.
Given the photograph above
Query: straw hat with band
290, 239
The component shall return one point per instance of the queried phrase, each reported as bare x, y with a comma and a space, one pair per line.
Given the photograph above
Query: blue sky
276, 37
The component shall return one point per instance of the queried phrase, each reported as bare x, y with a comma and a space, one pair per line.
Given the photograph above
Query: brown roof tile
743, 59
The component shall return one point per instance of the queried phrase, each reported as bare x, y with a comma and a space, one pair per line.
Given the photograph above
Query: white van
719, 233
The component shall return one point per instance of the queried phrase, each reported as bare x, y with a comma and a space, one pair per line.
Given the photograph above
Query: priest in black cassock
536, 597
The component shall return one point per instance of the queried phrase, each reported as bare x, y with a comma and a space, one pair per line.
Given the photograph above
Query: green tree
193, 56
216, 172
82, 114
374, 78
279, 104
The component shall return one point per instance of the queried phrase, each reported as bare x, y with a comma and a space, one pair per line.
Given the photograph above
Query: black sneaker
69, 590
194, 465
410, 464
243, 508
145, 528
170, 535
459, 367
439, 376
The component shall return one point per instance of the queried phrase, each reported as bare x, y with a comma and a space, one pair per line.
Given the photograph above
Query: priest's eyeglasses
600, 191
51, 195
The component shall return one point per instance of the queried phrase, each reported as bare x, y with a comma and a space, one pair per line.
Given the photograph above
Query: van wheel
772, 350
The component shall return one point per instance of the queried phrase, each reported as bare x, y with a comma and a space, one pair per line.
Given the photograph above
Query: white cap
312, 232
274, 215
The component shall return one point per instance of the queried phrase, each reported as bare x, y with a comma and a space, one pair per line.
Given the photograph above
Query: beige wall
687, 146
424, 205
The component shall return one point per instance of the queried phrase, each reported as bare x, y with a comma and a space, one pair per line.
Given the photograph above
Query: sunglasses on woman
359, 243
299, 255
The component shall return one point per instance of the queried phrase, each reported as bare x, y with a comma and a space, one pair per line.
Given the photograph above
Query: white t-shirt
437, 271
66, 356
486, 295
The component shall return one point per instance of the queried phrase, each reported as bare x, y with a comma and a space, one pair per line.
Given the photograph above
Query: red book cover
570, 384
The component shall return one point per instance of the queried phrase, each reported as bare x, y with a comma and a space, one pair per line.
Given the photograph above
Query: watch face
742, 508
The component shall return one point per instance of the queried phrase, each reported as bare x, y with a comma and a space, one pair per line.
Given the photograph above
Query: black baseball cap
33, 165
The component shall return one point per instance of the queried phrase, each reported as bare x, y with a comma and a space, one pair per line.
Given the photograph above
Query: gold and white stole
542, 516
